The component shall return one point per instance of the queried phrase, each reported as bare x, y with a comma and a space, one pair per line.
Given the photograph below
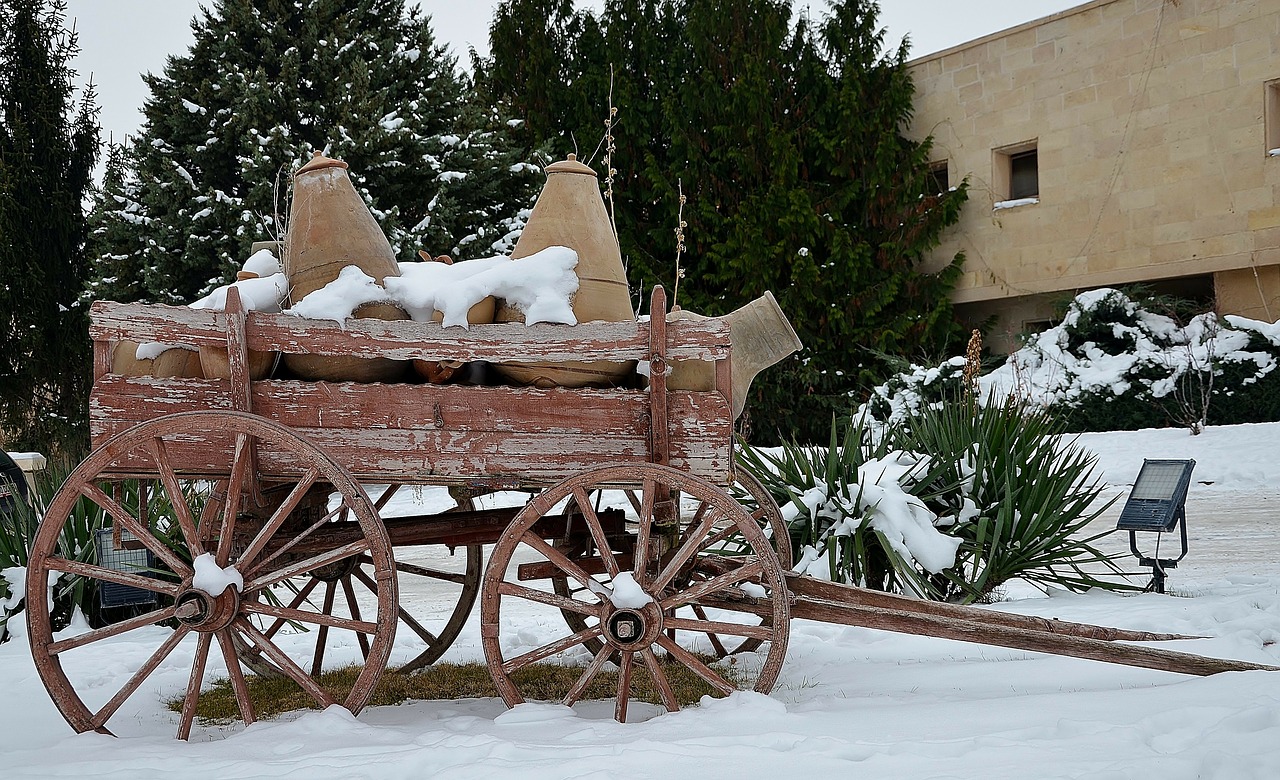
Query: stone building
1117, 142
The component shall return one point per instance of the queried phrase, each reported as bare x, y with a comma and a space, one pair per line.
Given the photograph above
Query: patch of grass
543, 681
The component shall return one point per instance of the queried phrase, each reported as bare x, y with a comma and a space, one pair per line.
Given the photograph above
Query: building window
1016, 174
1024, 177
1272, 113
939, 181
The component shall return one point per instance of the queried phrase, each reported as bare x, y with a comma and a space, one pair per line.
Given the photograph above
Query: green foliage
48, 147
823, 494
997, 480
264, 84
1027, 496
787, 136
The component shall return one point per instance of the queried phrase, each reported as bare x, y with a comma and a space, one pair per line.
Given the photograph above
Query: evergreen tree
265, 83
48, 146
785, 137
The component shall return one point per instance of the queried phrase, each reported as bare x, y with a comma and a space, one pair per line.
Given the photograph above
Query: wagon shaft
846, 605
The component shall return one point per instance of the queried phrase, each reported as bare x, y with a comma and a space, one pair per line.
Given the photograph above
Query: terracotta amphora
330, 228
570, 212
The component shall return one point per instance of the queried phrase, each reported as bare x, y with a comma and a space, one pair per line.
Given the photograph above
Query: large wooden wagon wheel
633, 603
340, 591
264, 550
766, 514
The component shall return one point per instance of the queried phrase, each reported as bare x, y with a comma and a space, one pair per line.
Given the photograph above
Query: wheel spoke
115, 629
385, 497
278, 518
322, 634
286, 664
551, 599
240, 460
297, 601
162, 551
642, 539
238, 685
580, 687
177, 499
559, 559
660, 680
316, 618
728, 579
111, 575
435, 574
287, 546
193, 687
161, 653
716, 644
354, 610
712, 627
696, 666
624, 686
597, 531
306, 565
686, 551
717, 538
548, 650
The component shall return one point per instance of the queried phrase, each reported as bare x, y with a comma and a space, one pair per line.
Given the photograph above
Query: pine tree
48, 147
265, 83
786, 140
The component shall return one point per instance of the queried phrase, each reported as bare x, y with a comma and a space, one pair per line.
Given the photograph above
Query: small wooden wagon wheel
340, 591
765, 513
631, 604
264, 551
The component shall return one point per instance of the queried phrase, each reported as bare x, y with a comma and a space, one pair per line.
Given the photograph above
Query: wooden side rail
408, 340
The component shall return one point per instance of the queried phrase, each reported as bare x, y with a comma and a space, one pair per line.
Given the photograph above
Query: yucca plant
836, 503
1028, 496
77, 542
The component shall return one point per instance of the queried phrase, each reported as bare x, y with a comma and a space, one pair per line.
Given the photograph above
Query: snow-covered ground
851, 702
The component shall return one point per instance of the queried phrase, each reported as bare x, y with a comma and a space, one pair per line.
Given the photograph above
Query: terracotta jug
570, 212
330, 228
760, 335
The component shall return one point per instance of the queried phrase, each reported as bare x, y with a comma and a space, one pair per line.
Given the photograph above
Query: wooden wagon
633, 537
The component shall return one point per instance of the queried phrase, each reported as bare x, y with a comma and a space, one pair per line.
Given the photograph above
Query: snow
540, 285
212, 578
627, 593
850, 702
1013, 204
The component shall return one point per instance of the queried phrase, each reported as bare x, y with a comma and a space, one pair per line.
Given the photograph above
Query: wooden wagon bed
428, 434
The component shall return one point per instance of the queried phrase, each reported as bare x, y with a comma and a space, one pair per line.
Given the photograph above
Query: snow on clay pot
330, 228
570, 212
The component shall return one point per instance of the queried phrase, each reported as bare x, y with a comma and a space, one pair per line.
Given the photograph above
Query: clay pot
760, 335
214, 362
173, 362
438, 372
330, 228
124, 360
215, 365
571, 212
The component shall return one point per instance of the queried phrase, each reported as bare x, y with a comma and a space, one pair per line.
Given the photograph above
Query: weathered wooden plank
352, 405
864, 597
406, 340
431, 434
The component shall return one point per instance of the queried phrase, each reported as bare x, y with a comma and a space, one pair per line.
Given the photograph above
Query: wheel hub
631, 629
200, 611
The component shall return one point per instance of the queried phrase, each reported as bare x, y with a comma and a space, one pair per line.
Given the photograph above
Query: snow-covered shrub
1112, 364
949, 501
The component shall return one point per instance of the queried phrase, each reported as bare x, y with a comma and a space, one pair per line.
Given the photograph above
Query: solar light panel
1157, 497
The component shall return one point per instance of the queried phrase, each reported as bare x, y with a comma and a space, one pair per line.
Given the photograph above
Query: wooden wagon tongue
330, 228
828, 602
